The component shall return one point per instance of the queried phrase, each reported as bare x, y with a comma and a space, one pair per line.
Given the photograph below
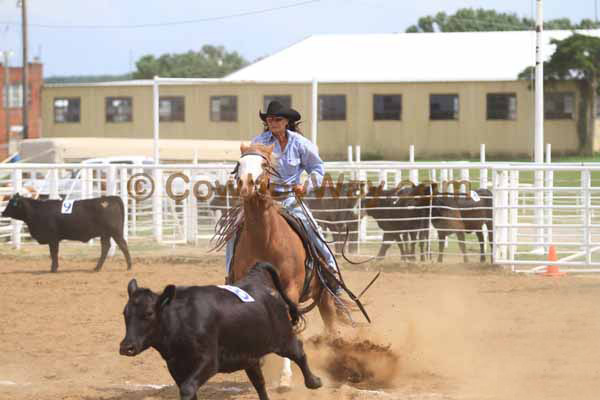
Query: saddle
313, 263
313, 260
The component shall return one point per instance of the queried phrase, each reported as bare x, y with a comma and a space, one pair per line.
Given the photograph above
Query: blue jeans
316, 237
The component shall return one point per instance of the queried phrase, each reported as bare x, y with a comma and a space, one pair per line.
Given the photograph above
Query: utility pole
539, 120
25, 69
5, 95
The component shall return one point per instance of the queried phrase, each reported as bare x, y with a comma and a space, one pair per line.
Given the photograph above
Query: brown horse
452, 214
266, 236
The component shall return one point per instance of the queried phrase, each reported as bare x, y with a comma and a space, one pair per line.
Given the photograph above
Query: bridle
267, 169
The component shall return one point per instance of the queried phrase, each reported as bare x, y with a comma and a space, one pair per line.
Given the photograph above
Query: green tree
478, 20
576, 58
209, 62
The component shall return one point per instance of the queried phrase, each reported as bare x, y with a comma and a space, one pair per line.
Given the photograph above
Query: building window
223, 108
67, 110
171, 109
332, 107
559, 105
15, 95
443, 106
119, 109
387, 107
502, 106
286, 100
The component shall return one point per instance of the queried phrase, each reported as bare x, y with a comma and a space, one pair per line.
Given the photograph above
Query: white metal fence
534, 206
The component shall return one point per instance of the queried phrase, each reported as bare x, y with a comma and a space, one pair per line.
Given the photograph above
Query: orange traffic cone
552, 270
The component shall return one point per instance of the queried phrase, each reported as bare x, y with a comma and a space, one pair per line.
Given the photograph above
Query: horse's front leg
285, 379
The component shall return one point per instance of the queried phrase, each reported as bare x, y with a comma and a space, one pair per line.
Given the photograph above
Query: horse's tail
293, 309
343, 309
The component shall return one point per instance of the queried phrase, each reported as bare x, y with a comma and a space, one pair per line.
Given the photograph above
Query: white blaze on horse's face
249, 170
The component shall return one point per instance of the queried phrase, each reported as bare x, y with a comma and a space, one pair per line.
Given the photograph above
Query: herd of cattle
404, 215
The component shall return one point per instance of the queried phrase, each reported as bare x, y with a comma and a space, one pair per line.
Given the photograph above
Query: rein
339, 281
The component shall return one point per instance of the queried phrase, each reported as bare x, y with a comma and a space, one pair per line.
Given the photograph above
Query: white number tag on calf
67, 207
245, 297
475, 196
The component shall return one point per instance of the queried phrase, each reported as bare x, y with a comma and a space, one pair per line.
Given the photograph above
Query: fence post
125, 198
539, 207
504, 194
53, 195
549, 184
443, 177
383, 178
192, 210
413, 173
157, 205
83, 178
500, 200
465, 176
397, 177
362, 225
17, 184
483, 172
585, 189
513, 213
111, 180
134, 205
361, 175
111, 190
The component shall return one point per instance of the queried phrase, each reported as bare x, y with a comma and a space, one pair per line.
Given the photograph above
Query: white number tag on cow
474, 196
245, 297
67, 207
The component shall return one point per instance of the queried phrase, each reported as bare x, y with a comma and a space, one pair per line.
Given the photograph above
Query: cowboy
295, 154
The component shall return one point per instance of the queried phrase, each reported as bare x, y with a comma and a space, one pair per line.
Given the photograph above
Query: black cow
99, 217
203, 330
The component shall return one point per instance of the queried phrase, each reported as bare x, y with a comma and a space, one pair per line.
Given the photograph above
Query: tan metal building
450, 107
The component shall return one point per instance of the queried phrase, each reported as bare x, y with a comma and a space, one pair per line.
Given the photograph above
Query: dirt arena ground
460, 332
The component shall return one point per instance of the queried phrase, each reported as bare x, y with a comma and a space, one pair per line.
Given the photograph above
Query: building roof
138, 82
404, 57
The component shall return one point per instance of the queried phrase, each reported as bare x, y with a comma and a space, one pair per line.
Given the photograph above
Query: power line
161, 24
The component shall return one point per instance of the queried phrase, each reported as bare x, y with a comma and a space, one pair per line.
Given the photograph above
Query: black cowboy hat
276, 109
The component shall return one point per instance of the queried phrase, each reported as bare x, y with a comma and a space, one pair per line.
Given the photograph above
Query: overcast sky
90, 37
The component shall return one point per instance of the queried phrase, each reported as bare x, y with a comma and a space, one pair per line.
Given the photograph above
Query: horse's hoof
285, 384
314, 382
283, 389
